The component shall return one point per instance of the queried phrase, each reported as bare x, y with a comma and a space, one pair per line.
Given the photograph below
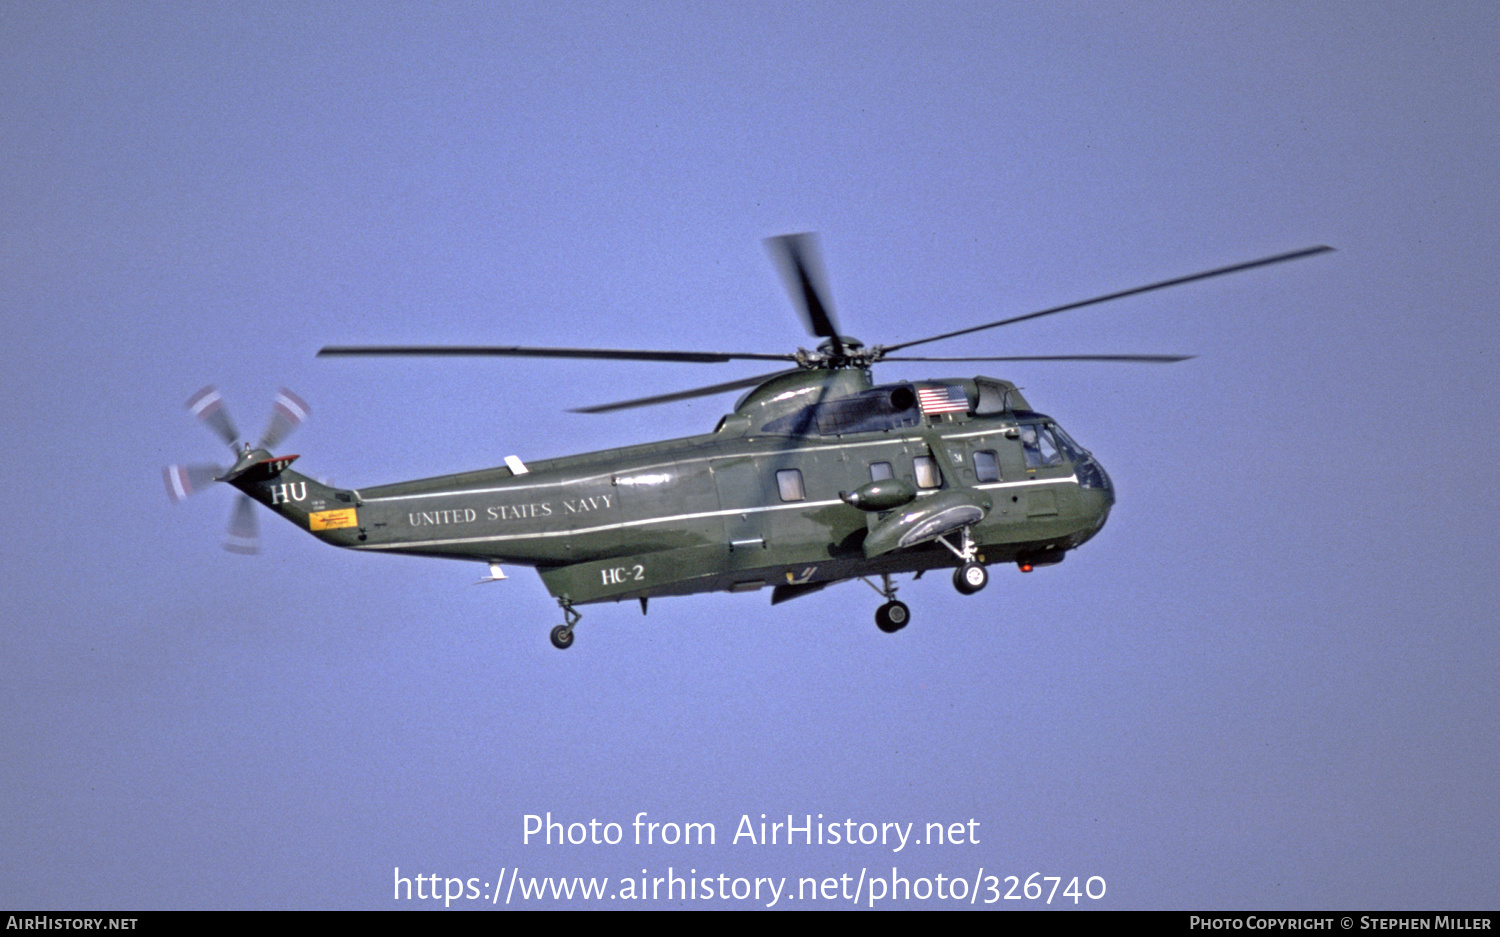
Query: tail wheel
892, 617
562, 637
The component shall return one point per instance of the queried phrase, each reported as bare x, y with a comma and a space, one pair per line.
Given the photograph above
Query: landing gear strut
971, 576
562, 635
893, 615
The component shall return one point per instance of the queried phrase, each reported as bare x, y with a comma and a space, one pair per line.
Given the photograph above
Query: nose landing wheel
970, 578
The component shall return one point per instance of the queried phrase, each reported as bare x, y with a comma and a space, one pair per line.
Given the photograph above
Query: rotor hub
848, 347
849, 352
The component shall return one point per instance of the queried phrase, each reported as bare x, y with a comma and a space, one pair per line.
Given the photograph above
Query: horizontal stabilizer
252, 469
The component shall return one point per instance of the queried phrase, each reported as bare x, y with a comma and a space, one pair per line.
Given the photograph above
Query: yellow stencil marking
332, 520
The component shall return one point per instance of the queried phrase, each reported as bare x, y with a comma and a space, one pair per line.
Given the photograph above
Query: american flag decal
949, 399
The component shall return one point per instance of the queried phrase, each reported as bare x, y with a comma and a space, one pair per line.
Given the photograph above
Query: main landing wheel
892, 616
562, 637
970, 578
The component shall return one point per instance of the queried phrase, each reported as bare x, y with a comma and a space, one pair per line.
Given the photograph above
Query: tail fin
329, 513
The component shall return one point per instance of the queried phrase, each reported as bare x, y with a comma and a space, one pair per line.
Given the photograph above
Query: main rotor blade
208, 406
517, 351
1175, 281
797, 257
684, 394
1137, 359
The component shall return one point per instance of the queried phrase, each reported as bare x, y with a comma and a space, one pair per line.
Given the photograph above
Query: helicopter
818, 476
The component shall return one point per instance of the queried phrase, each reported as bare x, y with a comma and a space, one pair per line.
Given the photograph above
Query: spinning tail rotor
288, 411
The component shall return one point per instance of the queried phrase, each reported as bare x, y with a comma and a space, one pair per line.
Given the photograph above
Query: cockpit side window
1041, 448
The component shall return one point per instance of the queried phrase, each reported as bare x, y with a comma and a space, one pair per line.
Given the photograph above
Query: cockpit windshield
1071, 449
1047, 444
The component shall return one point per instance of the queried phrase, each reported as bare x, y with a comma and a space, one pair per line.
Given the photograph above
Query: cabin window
986, 465
789, 483
928, 473
880, 471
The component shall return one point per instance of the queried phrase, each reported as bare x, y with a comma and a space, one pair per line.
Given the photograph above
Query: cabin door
742, 502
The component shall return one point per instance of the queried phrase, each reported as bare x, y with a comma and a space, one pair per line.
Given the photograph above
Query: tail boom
330, 514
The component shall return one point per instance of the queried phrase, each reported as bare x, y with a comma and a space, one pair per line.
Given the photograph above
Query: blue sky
1268, 684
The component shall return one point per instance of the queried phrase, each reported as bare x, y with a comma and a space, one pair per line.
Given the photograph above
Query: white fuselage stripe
668, 518
635, 469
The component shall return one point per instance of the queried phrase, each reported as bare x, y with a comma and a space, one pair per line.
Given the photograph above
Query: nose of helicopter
1096, 492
